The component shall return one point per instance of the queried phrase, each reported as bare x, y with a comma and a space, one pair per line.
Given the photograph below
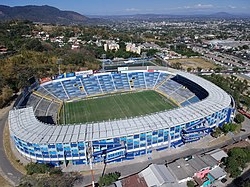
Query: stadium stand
106, 83
55, 89
203, 106
120, 81
45, 110
91, 85
74, 88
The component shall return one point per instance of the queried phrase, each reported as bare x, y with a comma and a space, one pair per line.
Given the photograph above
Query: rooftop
181, 169
157, 175
217, 173
218, 154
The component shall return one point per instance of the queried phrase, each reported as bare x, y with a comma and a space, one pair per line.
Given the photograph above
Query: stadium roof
25, 125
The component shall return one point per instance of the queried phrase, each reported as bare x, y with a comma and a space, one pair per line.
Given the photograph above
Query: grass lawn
115, 106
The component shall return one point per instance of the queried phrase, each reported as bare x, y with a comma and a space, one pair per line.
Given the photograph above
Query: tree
190, 184
217, 132
245, 47
189, 69
236, 160
229, 127
108, 179
6, 95
199, 69
151, 52
34, 45
176, 65
239, 118
1, 102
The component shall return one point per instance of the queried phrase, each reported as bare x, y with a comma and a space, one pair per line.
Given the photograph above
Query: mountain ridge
52, 15
44, 14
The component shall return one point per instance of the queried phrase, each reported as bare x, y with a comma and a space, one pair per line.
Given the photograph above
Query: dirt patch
241, 144
3, 182
193, 63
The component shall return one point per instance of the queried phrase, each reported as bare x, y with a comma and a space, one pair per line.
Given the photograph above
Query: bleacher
43, 108
42, 92
150, 79
74, 88
56, 89
162, 78
177, 92
121, 81
33, 101
103, 83
91, 85
136, 80
106, 83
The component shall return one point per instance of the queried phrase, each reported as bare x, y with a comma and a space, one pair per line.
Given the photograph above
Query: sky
130, 7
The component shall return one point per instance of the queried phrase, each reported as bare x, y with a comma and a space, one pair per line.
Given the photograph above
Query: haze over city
129, 7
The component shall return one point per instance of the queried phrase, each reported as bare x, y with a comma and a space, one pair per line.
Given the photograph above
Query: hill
44, 14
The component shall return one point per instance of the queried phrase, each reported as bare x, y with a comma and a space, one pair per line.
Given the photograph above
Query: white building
111, 45
131, 47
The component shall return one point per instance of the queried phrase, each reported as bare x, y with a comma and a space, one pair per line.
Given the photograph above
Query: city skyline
130, 7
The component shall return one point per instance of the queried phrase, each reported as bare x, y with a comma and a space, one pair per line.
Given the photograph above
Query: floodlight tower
59, 61
90, 158
143, 56
103, 64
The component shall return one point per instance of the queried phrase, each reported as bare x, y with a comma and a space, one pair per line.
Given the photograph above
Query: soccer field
115, 106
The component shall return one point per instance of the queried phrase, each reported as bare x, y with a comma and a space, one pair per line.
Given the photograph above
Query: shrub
108, 179
239, 118
32, 168
190, 184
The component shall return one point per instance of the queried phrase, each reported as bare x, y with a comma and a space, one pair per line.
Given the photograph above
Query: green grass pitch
114, 106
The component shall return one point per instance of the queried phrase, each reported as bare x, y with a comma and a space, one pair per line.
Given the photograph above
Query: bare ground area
193, 63
4, 182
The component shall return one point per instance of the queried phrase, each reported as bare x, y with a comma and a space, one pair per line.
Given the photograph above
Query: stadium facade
202, 107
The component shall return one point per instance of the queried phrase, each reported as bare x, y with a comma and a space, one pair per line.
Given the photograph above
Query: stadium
148, 109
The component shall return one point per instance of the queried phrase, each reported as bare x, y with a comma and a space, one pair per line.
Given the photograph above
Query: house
157, 175
182, 170
215, 174
153, 176
203, 169
217, 154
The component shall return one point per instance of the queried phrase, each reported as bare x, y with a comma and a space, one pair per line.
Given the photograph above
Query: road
7, 170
